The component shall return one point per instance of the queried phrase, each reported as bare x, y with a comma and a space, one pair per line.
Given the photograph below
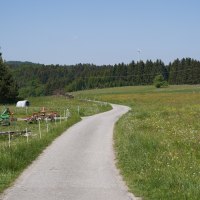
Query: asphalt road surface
78, 165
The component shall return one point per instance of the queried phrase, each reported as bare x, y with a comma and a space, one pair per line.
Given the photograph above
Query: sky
99, 31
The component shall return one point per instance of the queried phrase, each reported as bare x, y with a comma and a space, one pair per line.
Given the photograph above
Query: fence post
9, 142
26, 135
55, 121
40, 130
66, 114
47, 127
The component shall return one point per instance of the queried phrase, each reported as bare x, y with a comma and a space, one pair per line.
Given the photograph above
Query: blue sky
99, 31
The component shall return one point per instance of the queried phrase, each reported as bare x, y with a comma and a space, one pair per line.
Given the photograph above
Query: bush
160, 82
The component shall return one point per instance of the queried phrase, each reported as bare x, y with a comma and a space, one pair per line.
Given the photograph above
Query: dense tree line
185, 71
37, 79
8, 86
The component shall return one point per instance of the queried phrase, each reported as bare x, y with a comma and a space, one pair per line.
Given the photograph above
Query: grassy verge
14, 159
157, 143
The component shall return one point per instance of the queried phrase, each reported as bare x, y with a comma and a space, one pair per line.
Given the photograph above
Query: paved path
79, 165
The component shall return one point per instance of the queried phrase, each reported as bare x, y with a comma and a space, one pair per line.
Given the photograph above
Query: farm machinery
6, 117
42, 115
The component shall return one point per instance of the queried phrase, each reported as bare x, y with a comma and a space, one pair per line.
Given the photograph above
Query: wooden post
40, 130
55, 121
47, 128
66, 113
26, 135
9, 142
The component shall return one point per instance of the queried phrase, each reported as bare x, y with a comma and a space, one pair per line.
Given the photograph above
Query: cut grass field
158, 142
14, 159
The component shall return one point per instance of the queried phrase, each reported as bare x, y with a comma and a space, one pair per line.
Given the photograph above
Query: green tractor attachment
5, 117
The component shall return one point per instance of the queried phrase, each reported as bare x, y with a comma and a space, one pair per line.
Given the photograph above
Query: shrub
160, 82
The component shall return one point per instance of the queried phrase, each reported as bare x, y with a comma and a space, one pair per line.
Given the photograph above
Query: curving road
79, 165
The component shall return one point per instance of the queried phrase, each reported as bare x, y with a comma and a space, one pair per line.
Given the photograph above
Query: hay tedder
42, 115
6, 117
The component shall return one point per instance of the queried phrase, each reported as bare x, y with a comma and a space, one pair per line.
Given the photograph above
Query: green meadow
157, 143
18, 152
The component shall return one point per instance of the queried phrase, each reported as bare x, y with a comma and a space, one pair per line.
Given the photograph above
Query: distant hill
18, 63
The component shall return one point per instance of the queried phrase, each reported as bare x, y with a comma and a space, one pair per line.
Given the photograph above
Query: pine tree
8, 87
130, 73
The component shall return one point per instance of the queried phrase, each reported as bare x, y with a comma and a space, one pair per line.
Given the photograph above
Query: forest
38, 79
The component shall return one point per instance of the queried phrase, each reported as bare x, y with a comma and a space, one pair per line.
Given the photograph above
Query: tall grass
22, 152
158, 143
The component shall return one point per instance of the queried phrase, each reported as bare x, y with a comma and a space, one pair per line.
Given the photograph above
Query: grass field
158, 142
22, 152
